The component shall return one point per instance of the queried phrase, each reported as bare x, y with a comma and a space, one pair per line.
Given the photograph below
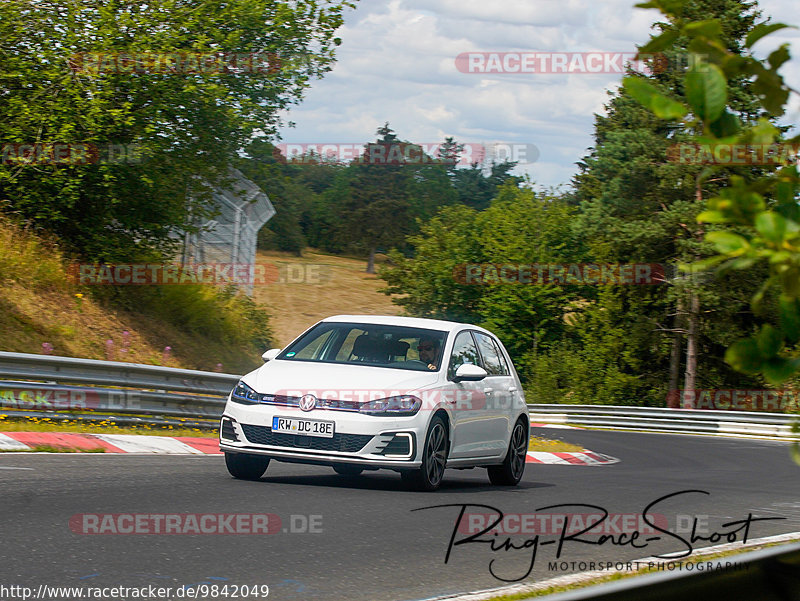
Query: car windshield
397, 347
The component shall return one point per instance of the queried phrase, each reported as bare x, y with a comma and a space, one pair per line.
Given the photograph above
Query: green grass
553, 446
29, 259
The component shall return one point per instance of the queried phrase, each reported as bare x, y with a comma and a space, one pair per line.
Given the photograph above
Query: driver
428, 350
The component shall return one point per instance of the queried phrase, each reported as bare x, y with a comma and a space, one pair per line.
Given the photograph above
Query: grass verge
80, 427
546, 445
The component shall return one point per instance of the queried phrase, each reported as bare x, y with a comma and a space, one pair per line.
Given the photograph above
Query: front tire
434, 459
246, 467
513, 466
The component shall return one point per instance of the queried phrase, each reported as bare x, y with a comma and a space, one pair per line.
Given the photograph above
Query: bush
219, 313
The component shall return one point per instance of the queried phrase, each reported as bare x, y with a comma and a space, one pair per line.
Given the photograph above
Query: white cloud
397, 64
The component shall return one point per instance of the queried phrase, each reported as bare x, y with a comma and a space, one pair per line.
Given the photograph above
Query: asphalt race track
372, 545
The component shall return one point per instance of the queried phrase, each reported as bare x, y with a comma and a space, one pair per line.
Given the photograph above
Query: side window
464, 351
492, 361
503, 360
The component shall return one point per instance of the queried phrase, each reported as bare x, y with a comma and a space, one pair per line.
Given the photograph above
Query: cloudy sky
397, 64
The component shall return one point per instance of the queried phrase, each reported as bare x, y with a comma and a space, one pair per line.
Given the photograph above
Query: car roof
394, 320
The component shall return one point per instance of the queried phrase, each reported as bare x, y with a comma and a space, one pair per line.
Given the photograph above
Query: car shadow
392, 482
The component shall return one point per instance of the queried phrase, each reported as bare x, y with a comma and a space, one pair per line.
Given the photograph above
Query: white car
363, 392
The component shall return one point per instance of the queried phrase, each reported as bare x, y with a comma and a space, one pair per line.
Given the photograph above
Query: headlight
242, 393
395, 405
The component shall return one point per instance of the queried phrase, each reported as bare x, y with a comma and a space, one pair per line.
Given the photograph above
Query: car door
499, 387
470, 437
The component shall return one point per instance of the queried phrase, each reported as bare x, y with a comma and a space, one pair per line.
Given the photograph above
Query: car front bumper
358, 439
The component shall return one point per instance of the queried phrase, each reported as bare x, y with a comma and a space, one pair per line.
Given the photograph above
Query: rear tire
246, 467
434, 459
509, 473
348, 470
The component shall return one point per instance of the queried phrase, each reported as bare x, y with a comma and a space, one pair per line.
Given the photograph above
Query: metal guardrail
131, 375
63, 388
66, 387
687, 421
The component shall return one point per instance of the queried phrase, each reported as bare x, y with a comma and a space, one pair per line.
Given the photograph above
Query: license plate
305, 427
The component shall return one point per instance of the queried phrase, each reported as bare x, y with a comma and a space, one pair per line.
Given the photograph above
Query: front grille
294, 401
279, 399
346, 443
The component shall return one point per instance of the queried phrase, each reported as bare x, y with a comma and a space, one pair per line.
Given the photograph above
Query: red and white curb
186, 445
110, 443
584, 458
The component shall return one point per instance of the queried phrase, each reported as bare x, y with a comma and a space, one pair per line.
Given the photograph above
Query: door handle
512, 389
488, 390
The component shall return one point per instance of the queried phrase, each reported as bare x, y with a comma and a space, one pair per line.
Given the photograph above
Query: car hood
325, 379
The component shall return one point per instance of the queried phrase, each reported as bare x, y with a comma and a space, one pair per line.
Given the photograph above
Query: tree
424, 283
520, 227
128, 73
638, 204
476, 186
761, 216
289, 195
450, 153
376, 201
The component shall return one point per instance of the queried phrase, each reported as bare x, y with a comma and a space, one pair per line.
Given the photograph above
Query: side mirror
470, 373
271, 354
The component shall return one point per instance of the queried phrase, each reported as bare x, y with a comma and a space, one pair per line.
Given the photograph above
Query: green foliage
218, 313
186, 127
425, 283
638, 204
287, 191
646, 93
520, 227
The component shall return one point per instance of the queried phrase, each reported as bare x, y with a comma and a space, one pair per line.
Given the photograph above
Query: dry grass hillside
315, 286
40, 309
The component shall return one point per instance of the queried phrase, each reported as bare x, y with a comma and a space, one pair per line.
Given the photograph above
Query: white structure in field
230, 237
